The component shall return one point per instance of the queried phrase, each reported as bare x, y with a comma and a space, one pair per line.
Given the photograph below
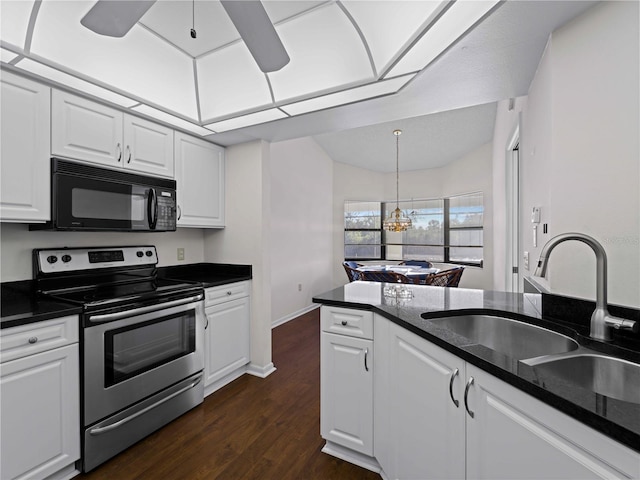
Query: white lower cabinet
40, 413
227, 334
439, 417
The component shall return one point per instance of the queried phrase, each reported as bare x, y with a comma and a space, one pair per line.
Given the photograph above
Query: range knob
66, 258
139, 253
52, 259
149, 253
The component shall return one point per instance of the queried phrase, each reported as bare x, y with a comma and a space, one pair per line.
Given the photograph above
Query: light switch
526, 260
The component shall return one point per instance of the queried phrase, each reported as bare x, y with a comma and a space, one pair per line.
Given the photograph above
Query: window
447, 230
363, 231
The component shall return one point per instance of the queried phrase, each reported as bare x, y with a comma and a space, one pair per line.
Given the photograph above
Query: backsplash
18, 243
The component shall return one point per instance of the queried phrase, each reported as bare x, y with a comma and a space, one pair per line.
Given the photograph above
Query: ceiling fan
116, 18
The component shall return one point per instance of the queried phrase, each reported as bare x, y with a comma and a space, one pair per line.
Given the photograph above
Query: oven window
104, 204
135, 349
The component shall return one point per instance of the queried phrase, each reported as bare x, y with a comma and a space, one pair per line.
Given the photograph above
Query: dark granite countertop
616, 418
207, 274
20, 305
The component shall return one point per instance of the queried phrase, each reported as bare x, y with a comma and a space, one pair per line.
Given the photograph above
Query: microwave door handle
152, 209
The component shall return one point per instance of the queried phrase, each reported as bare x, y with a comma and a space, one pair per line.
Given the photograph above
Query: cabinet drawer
224, 293
18, 342
345, 321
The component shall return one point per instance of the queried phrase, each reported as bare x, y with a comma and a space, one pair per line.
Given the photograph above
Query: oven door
131, 358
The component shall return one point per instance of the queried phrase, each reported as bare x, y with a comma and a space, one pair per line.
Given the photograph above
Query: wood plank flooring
251, 429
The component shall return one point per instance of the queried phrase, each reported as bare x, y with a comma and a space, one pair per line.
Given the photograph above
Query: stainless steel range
142, 342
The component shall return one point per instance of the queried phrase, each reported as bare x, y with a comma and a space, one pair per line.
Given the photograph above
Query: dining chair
446, 278
384, 276
352, 273
418, 263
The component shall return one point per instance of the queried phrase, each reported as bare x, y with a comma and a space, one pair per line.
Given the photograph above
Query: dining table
414, 272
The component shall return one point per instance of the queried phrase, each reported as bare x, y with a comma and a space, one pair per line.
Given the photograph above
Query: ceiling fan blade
114, 18
255, 27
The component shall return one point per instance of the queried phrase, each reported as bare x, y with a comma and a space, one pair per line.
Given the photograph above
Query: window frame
383, 250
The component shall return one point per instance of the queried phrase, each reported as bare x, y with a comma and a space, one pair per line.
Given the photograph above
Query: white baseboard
218, 384
287, 318
351, 456
66, 473
261, 371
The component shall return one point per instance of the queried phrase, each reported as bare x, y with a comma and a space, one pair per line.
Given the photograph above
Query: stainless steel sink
515, 339
612, 377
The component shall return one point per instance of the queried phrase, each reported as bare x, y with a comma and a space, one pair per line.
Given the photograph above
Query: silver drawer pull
344, 323
229, 293
366, 354
33, 340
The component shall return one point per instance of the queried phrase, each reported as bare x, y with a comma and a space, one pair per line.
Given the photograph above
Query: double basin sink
550, 353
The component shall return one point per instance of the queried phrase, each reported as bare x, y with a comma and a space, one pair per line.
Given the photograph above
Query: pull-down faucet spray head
601, 320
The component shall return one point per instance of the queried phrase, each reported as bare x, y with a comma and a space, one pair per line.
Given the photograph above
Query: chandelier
397, 221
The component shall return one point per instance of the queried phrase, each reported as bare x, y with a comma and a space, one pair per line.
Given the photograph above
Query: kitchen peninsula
427, 381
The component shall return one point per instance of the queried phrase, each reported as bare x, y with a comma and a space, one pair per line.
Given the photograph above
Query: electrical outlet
299, 287
180, 253
526, 260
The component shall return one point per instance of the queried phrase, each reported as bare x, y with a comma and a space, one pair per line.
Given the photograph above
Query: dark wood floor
251, 429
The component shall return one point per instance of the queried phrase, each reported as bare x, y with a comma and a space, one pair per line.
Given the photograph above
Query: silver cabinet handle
366, 353
33, 339
207, 324
129, 150
453, 376
229, 293
119, 152
179, 212
119, 423
466, 395
344, 323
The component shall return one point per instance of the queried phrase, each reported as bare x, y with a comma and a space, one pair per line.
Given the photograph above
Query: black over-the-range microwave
85, 197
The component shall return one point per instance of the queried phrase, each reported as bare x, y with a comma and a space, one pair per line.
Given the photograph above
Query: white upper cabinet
25, 113
200, 182
148, 147
89, 131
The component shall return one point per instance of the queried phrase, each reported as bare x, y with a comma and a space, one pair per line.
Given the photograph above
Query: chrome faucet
601, 321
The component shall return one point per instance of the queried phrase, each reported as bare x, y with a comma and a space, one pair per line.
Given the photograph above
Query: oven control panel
74, 259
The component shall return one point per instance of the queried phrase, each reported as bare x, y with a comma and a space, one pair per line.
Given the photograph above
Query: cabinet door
25, 150
40, 413
200, 182
227, 343
513, 435
346, 391
85, 130
148, 147
428, 428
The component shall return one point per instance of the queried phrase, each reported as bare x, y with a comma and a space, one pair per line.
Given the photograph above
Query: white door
25, 150
429, 432
227, 342
514, 436
148, 147
512, 173
346, 391
200, 182
85, 130
40, 414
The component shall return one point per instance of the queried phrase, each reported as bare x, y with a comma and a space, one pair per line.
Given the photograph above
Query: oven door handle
108, 317
119, 423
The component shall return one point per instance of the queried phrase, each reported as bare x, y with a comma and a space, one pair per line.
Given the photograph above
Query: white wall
246, 237
18, 242
301, 219
471, 173
581, 151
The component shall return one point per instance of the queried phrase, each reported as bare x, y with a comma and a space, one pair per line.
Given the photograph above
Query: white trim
262, 372
351, 456
227, 379
293, 315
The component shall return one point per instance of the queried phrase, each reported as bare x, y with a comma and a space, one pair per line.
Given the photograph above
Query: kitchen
264, 189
